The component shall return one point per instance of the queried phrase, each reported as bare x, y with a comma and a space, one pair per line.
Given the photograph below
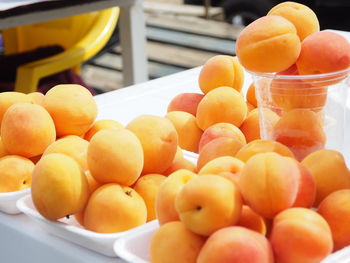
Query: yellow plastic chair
81, 36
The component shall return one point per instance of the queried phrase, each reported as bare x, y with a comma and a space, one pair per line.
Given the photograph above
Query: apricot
251, 220
187, 102
303, 230
7, 99
36, 98
174, 236
27, 129
101, 125
226, 166
178, 164
335, 209
250, 107
114, 208
290, 92
59, 186
262, 146
147, 187
92, 186
269, 44
307, 190
302, 17
72, 146
159, 141
165, 201
251, 96
219, 71
251, 125
187, 129
3, 151
236, 244
223, 146
222, 104
207, 203
301, 130
72, 108
15, 173
221, 129
331, 50
321, 164
269, 183
115, 156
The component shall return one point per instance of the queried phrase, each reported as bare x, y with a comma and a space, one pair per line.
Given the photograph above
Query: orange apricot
219, 71
302, 17
27, 129
303, 230
301, 130
187, 129
187, 102
269, 183
252, 220
269, 44
222, 104
9, 98
101, 125
159, 141
262, 146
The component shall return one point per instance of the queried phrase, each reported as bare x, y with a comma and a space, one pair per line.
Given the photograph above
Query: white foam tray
134, 248
8, 201
70, 230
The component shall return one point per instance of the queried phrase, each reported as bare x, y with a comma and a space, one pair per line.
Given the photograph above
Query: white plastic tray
8, 201
70, 230
134, 248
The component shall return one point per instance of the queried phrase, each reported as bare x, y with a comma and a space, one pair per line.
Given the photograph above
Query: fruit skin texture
269, 44
236, 244
187, 130
114, 145
222, 104
159, 141
168, 190
251, 220
59, 186
36, 97
223, 146
221, 129
3, 151
187, 102
114, 208
101, 125
175, 237
147, 187
323, 163
335, 209
269, 183
221, 70
262, 146
251, 96
303, 230
301, 130
72, 146
331, 50
207, 203
72, 108
15, 173
27, 129
302, 17
7, 99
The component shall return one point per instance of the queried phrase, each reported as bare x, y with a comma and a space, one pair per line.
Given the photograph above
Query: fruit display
265, 186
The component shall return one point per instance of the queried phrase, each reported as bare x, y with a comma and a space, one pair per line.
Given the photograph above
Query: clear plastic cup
311, 110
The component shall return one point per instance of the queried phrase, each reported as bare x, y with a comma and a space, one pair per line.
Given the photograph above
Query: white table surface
131, 24
21, 240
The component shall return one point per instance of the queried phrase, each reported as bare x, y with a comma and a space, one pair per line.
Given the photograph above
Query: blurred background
182, 34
